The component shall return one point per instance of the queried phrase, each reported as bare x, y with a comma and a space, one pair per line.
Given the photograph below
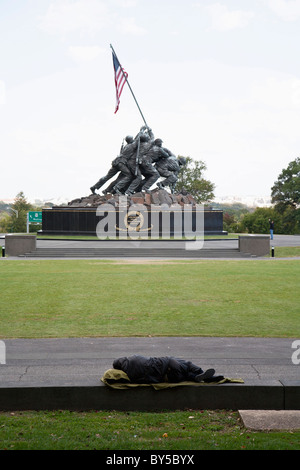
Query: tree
5, 221
17, 221
191, 180
258, 221
286, 190
230, 223
286, 197
233, 215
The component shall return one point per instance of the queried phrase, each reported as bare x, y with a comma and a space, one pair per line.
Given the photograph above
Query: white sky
218, 81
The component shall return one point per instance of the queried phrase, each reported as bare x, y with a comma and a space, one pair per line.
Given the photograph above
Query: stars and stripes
120, 79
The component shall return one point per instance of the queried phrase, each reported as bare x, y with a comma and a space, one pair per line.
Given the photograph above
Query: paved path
45, 374
82, 361
279, 240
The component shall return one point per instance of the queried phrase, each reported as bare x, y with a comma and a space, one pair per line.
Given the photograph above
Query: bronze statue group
141, 162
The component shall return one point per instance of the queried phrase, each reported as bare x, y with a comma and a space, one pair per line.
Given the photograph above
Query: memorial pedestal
143, 215
84, 221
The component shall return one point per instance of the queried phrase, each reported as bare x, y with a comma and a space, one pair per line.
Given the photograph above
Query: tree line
285, 212
237, 218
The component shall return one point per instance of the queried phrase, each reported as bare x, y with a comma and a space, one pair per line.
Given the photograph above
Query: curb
267, 396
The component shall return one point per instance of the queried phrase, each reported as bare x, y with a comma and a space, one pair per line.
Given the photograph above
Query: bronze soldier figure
150, 173
169, 169
118, 164
128, 185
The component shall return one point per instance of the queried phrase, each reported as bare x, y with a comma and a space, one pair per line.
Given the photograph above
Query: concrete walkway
66, 373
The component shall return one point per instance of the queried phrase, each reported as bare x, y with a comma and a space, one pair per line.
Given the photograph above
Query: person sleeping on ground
149, 370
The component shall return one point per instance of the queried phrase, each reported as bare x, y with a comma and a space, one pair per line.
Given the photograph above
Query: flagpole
129, 87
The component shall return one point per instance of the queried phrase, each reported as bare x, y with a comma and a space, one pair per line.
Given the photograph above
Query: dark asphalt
82, 361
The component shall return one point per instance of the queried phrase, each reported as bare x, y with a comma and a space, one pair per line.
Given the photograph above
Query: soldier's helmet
182, 161
158, 142
129, 139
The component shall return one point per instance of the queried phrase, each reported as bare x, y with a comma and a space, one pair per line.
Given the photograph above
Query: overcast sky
218, 81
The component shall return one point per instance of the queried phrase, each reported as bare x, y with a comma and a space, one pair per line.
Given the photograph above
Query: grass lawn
63, 298
287, 251
74, 298
180, 430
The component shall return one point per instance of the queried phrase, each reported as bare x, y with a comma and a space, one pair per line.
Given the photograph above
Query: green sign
35, 217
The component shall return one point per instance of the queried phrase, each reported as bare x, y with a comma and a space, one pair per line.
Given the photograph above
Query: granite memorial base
143, 215
86, 221
256, 245
16, 245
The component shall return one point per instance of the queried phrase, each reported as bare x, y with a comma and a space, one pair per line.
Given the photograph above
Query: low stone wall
273, 395
256, 245
16, 245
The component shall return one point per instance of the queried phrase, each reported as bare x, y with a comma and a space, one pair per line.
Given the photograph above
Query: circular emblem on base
134, 221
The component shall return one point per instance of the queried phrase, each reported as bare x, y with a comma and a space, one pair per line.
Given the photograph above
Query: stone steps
135, 253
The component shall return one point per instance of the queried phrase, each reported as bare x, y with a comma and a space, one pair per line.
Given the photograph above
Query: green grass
102, 298
287, 251
75, 298
180, 430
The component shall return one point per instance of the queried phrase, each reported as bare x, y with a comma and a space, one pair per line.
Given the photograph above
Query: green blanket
118, 379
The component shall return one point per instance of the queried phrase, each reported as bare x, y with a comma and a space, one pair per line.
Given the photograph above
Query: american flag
120, 79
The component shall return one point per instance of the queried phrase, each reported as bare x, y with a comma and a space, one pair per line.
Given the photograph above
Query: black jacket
141, 369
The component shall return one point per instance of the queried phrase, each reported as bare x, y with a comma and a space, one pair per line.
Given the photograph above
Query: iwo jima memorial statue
131, 206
